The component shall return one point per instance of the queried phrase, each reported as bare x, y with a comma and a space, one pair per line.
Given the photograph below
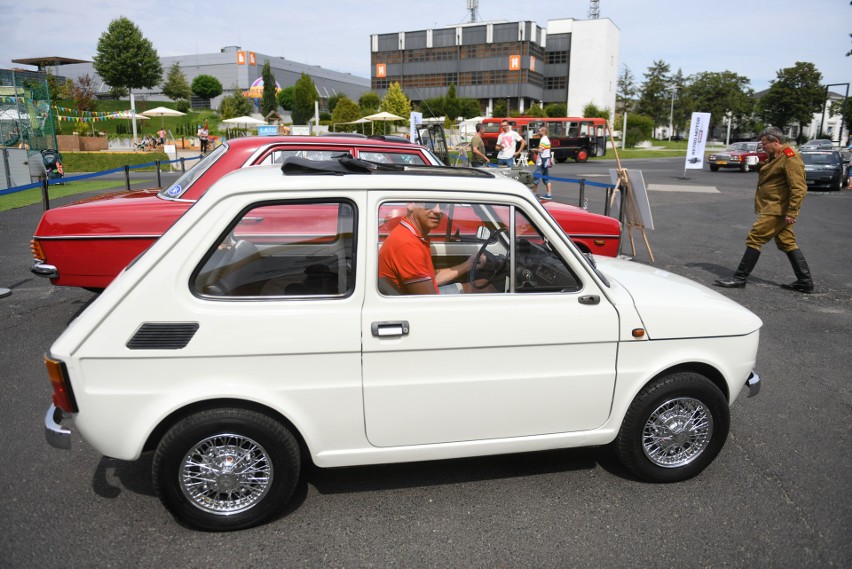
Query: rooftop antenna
473, 8
594, 9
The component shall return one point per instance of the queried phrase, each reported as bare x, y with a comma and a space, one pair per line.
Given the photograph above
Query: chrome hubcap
226, 474
677, 432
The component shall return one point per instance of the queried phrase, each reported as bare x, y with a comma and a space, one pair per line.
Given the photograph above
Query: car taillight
62, 395
38, 252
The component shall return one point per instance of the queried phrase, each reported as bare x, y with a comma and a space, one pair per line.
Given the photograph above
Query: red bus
570, 137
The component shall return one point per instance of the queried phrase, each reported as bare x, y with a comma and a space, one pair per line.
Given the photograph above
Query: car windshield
826, 158
743, 146
183, 183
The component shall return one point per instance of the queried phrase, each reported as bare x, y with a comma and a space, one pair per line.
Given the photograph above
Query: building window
557, 57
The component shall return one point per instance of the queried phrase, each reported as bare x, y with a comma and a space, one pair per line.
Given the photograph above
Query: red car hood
138, 213
568, 217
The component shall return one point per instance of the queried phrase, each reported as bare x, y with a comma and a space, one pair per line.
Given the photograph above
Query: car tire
561, 158
714, 168
582, 155
250, 465
674, 428
743, 167
838, 185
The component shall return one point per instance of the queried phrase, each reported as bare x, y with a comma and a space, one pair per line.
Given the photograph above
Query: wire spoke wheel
677, 432
226, 474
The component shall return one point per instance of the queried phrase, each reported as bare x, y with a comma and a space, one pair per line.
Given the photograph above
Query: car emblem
174, 190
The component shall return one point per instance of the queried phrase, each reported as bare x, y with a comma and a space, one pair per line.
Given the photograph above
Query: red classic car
743, 156
87, 243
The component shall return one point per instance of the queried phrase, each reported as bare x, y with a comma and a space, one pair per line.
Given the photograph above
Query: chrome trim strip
96, 237
57, 436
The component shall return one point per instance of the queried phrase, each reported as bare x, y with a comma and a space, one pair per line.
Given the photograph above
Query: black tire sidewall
628, 444
279, 443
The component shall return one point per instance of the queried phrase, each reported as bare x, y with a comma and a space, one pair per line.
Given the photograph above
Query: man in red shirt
405, 259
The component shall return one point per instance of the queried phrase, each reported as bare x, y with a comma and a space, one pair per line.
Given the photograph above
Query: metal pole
671, 117
159, 181
182, 164
822, 117
624, 130
127, 176
583, 203
45, 198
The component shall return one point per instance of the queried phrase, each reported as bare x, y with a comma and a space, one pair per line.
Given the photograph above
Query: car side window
278, 156
452, 248
295, 249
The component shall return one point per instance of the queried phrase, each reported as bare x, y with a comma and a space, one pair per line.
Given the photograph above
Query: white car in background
237, 348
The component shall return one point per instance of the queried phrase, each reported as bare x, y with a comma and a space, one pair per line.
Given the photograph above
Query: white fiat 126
348, 313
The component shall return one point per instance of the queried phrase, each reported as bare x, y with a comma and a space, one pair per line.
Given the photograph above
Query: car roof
260, 141
348, 174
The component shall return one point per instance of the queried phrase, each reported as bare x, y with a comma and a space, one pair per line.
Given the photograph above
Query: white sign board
640, 195
699, 127
415, 119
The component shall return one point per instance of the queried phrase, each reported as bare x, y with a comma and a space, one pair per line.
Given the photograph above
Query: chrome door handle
590, 299
389, 329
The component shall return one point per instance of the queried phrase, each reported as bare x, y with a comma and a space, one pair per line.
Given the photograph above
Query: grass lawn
29, 197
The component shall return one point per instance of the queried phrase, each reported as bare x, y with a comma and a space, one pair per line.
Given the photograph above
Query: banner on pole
699, 127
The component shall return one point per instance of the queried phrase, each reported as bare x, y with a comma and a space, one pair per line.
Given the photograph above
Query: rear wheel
582, 155
561, 158
226, 469
674, 428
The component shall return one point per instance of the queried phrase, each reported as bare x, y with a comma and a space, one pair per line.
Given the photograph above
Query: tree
345, 111
206, 87
285, 98
396, 102
268, 102
332, 101
593, 111
369, 103
176, 86
304, 95
535, 111
793, 97
499, 109
720, 93
82, 92
125, 58
843, 108
236, 105
627, 90
654, 99
556, 110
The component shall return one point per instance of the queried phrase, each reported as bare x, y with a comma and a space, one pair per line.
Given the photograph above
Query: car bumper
45, 270
57, 435
753, 384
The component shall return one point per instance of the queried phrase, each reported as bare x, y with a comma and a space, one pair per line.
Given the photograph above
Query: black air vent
163, 336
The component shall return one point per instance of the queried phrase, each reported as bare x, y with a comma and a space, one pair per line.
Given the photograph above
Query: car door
462, 367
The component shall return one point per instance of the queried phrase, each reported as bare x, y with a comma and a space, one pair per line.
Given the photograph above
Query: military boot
803, 283
738, 280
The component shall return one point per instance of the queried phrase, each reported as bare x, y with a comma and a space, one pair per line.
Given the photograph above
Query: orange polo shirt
405, 257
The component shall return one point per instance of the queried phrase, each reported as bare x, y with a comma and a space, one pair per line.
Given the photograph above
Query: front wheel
714, 168
226, 469
674, 428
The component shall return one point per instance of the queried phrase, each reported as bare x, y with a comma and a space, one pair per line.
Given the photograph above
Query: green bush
182, 105
75, 162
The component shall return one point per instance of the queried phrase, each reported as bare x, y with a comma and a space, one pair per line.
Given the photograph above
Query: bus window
586, 129
573, 130
556, 129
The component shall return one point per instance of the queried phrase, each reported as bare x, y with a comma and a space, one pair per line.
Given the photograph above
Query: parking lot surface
779, 494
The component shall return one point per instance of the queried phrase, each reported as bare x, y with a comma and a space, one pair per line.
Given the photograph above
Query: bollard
609, 192
583, 203
127, 176
159, 181
45, 198
182, 165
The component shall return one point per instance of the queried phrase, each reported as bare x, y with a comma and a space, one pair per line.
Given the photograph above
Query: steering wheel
498, 264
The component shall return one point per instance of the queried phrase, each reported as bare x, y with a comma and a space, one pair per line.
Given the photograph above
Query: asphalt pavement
779, 494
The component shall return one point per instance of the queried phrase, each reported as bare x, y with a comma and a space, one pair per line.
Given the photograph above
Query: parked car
87, 243
826, 169
816, 144
242, 346
743, 156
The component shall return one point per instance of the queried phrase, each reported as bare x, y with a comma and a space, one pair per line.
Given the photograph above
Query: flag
699, 128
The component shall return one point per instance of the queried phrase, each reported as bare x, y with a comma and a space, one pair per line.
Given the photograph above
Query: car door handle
251, 220
389, 329
590, 299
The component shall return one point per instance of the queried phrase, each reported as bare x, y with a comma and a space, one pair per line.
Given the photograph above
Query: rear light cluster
37, 251
62, 394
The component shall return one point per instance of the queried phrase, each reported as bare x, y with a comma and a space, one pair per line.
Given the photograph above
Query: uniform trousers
769, 227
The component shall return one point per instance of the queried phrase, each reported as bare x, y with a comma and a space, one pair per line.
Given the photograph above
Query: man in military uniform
781, 188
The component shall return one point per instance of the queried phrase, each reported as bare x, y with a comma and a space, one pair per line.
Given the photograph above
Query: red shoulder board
789, 152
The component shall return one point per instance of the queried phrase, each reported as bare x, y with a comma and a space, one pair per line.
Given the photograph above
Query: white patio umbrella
162, 112
246, 120
384, 117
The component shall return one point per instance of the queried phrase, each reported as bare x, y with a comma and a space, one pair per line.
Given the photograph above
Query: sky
750, 38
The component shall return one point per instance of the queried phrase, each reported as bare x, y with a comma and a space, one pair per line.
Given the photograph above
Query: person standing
507, 145
477, 149
162, 134
543, 162
781, 189
202, 137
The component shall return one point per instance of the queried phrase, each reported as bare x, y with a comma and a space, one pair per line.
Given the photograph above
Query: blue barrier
55, 181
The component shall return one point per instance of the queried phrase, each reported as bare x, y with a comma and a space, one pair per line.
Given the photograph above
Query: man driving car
405, 259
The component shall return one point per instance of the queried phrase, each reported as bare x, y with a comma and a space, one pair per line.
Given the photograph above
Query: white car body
472, 375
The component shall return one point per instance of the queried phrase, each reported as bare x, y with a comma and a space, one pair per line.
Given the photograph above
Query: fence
26, 116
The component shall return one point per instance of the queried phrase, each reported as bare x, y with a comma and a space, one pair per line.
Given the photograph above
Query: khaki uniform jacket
781, 185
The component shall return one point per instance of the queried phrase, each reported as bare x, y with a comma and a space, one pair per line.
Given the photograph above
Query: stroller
52, 163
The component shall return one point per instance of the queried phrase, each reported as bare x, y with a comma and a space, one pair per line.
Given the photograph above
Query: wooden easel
630, 217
